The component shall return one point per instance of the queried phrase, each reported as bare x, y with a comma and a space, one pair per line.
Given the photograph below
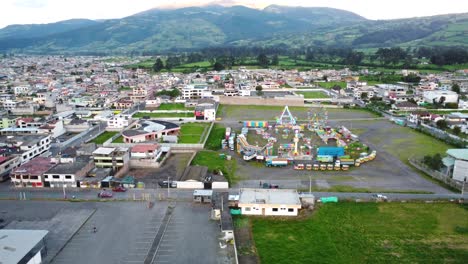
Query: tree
262, 60
364, 95
436, 162
259, 90
158, 65
442, 100
218, 66
442, 124
457, 130
456, 88
275, 60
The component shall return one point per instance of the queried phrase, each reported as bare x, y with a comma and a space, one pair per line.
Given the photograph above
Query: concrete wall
190, 185
239, 100
220, 185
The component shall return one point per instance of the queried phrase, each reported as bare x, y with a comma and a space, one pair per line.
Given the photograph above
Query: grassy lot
366, 233
193, 133
214, 139
103, 137
181, 115
351, 189
118, 140
212, 160
413, 143
176, 106
329, 85
313, 95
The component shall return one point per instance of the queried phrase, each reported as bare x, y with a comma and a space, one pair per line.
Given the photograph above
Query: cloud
31, 3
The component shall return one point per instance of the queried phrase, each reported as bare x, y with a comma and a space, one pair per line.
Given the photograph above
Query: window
34, 177
247, 209
46, 176
275, 209
55, 176
290, 210
68, 177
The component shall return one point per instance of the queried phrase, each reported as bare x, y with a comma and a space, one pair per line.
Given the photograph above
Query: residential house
406, 106
205, 110
146, 151
115, 158
26, 147
119, 122
68, 174
386, 90
30, 174
269, 202
7, 164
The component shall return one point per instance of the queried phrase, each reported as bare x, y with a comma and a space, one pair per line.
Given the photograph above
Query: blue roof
458, 153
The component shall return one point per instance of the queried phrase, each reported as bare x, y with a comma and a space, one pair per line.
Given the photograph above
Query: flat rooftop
15, 244
269, 196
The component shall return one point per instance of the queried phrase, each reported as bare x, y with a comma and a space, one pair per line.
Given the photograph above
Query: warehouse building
269, 202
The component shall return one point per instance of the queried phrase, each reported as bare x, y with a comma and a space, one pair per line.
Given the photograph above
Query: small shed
202, 196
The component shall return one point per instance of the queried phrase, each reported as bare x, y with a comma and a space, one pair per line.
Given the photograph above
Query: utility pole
168, 186
64, 193
310, 184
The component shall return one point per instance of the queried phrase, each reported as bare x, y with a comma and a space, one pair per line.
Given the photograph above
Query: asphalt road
156, 194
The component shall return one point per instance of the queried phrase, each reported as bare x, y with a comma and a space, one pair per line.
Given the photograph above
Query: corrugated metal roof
458, 153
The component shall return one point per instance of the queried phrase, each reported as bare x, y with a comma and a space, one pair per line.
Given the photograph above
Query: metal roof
458, 153
16, 244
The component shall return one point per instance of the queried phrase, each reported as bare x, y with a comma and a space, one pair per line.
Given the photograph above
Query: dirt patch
246, 252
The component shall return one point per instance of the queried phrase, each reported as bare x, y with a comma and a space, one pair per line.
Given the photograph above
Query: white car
379, 196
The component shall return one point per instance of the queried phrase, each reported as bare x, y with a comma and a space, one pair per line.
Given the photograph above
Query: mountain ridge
192, 28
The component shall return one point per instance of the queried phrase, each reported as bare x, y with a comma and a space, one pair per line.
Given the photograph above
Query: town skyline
49, 11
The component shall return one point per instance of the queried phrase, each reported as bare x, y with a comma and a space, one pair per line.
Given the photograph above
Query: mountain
42, 30
193, 28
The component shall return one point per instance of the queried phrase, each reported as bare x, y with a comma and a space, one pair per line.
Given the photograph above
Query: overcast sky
46, 11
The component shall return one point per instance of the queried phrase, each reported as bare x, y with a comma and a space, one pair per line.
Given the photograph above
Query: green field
104, 137
366, 233
213, 161
329, 85
216, 135
413, 143
313, 95
118, 140
162, 115
176, 106
193, 133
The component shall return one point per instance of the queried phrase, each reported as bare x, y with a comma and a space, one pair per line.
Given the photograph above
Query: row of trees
227, 57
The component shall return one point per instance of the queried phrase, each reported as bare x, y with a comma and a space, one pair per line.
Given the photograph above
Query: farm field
163, 115
193, 133
313, 95
366, 233
103, 137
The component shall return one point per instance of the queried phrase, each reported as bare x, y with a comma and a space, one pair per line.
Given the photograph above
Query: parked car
104, 194
379, 196
165, 184
119, 189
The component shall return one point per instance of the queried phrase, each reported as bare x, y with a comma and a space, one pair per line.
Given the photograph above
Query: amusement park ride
286, 124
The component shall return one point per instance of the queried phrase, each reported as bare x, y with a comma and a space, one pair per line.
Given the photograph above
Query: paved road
155, 194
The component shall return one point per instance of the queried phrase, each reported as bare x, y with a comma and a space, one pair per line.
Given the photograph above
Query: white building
457, 160
194, 91
284, 202
385, 90
119, 122
26, 147
22, 246
9, 105
463, 104
21, 89
431, 96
